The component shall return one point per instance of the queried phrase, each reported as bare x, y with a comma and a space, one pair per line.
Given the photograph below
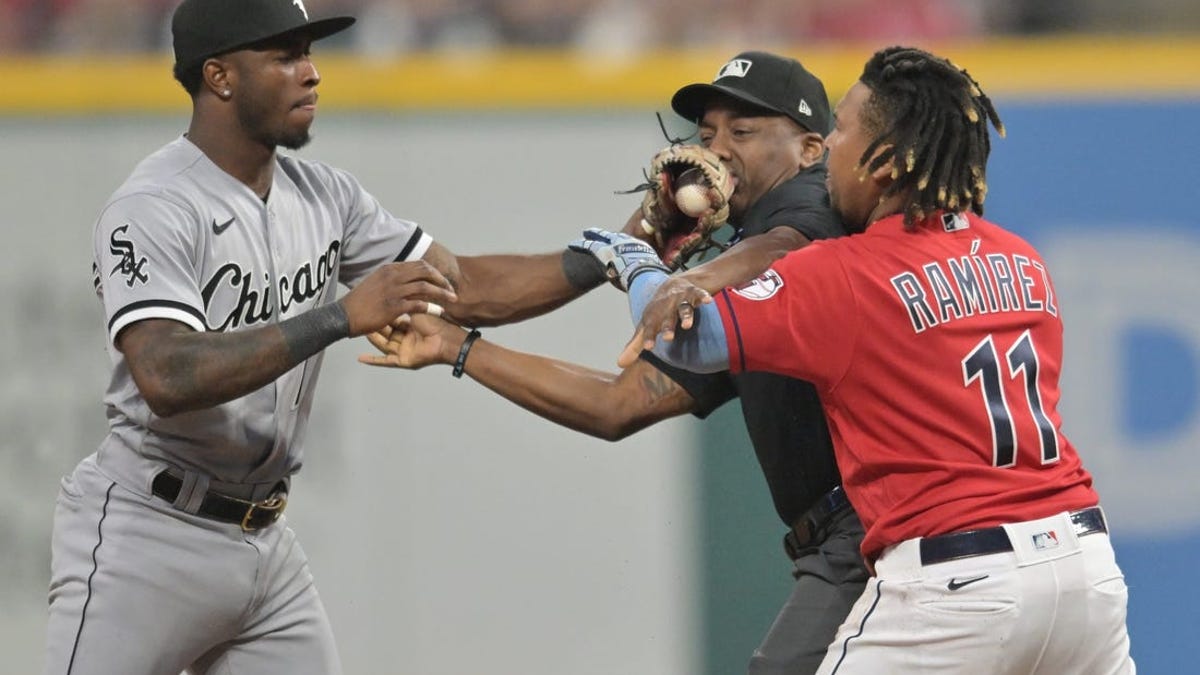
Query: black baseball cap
769, 81
204, 28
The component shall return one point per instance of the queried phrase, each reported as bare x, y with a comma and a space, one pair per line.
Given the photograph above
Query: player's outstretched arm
704, 349
177, 369
745, 260
500, 289
673, 303
606, 405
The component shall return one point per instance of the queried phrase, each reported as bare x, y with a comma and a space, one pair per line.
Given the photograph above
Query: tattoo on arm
658, 388
177, 369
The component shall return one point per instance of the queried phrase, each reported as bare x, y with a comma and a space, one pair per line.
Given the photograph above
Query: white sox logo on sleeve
761, 287
129, 264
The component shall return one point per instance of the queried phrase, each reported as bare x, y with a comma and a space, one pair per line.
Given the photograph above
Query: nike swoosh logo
955, 584
218, 229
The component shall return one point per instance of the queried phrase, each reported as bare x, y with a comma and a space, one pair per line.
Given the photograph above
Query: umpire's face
760, 150
274, 84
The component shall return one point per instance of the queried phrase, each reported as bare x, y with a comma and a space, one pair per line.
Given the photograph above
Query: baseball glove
678, 236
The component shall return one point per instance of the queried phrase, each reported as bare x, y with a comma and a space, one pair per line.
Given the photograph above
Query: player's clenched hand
414, 342
672, 307
392, 290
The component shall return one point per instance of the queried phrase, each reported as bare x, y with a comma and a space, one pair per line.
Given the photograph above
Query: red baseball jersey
937, 354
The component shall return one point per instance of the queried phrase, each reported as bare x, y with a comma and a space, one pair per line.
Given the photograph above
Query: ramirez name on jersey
953, 288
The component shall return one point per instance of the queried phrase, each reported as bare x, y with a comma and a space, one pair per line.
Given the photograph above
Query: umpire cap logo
735, 68
762, 287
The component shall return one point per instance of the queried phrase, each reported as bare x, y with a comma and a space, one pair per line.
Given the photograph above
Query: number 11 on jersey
983, 365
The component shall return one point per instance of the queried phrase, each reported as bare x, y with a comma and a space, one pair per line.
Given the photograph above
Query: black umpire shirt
783, 415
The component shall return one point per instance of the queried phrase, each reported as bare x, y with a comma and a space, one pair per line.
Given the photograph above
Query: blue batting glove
623, 257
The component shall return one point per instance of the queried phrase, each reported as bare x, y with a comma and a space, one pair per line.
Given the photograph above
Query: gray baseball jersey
183, 240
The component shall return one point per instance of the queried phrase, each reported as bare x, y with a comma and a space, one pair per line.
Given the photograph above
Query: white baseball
692, 199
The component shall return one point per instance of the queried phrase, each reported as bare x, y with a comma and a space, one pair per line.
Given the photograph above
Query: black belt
808, 526
995, 539
250, 515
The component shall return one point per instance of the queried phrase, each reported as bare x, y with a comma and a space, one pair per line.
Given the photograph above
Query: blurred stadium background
451, 532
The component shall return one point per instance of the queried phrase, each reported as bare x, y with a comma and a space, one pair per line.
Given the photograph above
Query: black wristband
582, 270
314, 330
463, 351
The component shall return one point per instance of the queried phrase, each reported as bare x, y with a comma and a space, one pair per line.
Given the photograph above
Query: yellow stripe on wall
1083, 67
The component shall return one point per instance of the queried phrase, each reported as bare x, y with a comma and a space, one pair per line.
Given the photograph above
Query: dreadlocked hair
932, 117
